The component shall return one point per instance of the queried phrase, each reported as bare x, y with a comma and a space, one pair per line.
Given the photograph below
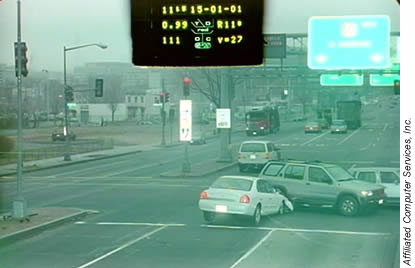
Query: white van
255, 154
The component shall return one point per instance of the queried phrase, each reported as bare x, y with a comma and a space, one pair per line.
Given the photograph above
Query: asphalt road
149, 221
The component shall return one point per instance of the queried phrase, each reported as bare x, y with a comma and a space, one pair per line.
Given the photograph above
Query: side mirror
328, 181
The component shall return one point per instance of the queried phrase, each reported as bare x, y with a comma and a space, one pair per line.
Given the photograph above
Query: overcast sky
48, 25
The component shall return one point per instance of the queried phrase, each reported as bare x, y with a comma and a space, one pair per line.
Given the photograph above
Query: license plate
220, 208
253, 157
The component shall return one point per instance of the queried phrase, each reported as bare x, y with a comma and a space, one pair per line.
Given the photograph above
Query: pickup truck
324, 185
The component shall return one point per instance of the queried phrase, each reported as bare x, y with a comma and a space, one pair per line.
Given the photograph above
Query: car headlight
261, 127
366, 193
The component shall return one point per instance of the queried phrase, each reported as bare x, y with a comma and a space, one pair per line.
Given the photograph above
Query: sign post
186, 131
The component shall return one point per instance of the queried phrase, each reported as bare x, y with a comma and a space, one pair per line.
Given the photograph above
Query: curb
176, 174
13, 237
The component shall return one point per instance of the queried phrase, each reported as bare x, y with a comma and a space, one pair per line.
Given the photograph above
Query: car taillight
204, 195
245, 199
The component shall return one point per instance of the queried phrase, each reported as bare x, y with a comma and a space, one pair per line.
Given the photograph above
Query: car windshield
233, 184
117, 117
339, 174
253, 148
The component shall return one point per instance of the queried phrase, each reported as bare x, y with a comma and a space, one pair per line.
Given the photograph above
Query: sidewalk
37, 221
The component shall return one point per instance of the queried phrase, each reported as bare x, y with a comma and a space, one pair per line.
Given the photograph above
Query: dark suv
322, 184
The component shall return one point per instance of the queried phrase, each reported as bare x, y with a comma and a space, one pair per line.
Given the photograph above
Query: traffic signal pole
163, 114
19, 203
66, 155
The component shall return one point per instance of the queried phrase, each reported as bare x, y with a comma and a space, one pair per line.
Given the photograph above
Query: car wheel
256, 218
348, 206
208, 216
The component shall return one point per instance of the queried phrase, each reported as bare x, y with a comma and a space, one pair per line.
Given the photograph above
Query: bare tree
112, 92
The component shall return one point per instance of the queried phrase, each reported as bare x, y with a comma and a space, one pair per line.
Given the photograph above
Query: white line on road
142, 224
294, 230
384, 128
246, 255
132, 224
348, 137
319, 136
122, 247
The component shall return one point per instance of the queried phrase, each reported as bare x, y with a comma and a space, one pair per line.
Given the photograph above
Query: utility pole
163, 113
224, 153
19, 204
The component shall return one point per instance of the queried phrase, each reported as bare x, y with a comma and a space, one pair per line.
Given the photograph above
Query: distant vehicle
324, 185
312, 127
240, 195
255, 154
338, 126
74, 121
350, 112
144, 123
323, 123
58, 135
262, 120
386, 176
60, 116
197, 140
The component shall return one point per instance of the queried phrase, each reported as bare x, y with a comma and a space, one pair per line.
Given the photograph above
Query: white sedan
241, 195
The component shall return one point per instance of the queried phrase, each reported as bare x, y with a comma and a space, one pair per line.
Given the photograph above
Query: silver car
386, 176
241, 195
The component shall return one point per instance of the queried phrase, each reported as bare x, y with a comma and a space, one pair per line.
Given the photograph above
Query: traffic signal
186, 86
397, 87
69, 94
99, 87
23, 51
284, 94
162, 97
167, 97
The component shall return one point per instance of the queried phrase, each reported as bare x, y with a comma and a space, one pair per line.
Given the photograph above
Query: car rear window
234, 184
338, 122
253, 147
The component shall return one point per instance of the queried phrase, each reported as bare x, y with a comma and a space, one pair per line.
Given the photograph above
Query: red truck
262, 120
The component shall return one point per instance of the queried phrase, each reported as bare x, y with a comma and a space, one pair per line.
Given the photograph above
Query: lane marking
319, 136
246, 255
386, 125
296, 230
348, 137
133, 224
146, 184
122, 247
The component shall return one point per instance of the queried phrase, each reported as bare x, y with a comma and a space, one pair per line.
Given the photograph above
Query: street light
67, 156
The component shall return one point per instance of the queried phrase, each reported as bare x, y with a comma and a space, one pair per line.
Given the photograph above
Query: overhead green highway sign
341, 80
383, 80
349, 42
